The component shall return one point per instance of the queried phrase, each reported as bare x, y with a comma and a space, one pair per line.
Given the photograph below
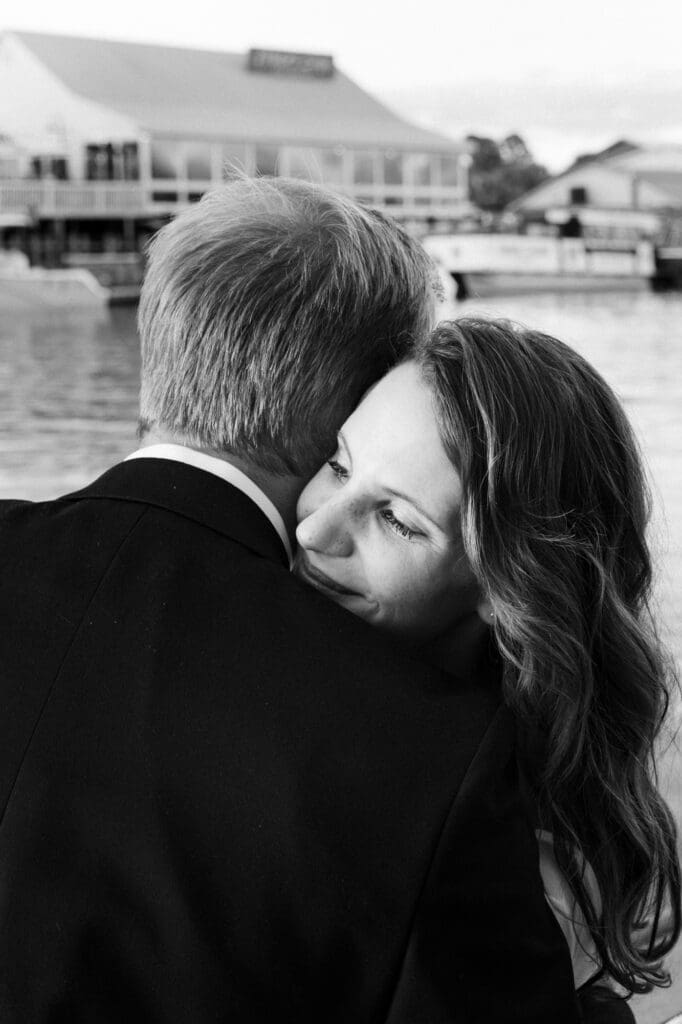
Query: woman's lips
320, 579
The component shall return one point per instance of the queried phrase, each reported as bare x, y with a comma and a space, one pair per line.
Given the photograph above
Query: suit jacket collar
192, 493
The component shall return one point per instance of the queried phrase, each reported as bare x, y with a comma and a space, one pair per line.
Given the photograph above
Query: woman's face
379, 526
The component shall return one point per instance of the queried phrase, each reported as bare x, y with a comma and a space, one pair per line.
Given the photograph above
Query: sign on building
316, 65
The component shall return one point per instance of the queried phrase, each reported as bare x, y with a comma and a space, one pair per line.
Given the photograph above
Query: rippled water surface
68, 399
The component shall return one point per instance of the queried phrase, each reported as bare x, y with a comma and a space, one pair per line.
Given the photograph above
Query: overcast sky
568, 77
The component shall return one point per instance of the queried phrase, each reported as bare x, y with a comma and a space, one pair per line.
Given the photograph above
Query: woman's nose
327, 530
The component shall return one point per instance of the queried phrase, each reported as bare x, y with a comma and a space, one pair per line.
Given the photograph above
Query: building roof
618, 149
668, 182
198, 93
657, 166
655, 158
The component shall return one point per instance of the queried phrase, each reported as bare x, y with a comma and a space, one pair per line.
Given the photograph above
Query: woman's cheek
397, 585
421, 591
310, 498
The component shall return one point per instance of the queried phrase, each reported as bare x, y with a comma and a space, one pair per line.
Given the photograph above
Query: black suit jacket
225, 799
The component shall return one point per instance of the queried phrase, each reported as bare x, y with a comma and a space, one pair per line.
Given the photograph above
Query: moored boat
473, 265
22, 285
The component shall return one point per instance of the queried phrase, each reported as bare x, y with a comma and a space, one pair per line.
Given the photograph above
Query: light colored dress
583, 951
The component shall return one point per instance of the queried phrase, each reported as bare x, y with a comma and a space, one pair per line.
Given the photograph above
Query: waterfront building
627, 191
120, 136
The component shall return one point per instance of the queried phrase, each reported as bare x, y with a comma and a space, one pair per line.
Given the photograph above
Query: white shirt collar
225, 470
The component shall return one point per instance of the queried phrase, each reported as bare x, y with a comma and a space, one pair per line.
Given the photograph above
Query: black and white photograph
340, 513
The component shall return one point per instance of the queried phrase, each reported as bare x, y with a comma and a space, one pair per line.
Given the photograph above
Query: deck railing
47, 199
50, 199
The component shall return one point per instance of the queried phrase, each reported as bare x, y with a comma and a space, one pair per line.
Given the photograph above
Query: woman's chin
357, 604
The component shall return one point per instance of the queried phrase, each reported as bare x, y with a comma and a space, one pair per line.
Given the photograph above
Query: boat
481, 265
668, 268
73, 287
669, 255
22, 285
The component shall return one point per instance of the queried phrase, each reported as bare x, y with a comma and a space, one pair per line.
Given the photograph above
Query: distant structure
104, 141
625, 191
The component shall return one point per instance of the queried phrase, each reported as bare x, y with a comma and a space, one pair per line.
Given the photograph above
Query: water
68, 397
68, 400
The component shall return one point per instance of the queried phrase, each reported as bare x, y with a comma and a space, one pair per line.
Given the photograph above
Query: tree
501, 171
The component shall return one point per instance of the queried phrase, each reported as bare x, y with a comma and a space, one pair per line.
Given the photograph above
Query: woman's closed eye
395, 524
387, 515
339, 471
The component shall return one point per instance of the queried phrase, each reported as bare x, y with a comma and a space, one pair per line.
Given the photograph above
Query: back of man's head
267, 310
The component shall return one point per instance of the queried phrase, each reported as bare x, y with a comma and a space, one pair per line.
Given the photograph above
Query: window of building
131, 161
98, 163
49, 167
166, 160
235, 159
112, 161
332, 163
419, 169
449, 171
198, 156
321, 165
393, 167
59, 168
267, 162
363, 168
304, 163
578, 195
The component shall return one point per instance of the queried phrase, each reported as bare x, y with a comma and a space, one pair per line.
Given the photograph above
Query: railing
73, 199
61, 199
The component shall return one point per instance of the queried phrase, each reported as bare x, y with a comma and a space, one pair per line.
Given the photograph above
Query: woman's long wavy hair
554, 512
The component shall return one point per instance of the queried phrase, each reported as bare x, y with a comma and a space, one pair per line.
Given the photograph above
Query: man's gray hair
267, 309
